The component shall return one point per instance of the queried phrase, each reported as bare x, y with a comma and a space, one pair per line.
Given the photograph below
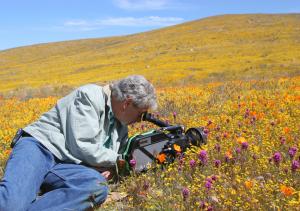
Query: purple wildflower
206, 131
247, 113
254, 156
193, 163
185, 193
203, 156
217, 163
239, 124
227, 158
132, 163
277, 157
209, 208
202, 205
214, 177
238, 150
208, 185
174, 115
245, 145
295, 165
292, 151
282, 140
146, 185
218, 147
208, 179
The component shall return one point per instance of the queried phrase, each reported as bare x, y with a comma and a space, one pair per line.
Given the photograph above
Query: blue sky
41, 21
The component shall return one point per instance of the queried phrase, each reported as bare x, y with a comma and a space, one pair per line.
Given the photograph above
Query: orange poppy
161, 158
177, 148
287, 191
248, 184
286, 130
229, 154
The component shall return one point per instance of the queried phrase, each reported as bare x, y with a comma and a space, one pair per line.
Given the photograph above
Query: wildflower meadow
250, 162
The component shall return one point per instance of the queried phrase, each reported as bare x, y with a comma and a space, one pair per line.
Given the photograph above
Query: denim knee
98, 188
9, 202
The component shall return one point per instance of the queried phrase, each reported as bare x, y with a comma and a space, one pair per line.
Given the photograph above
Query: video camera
160, 145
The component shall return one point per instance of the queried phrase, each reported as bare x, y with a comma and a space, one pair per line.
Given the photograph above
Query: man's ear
126, 103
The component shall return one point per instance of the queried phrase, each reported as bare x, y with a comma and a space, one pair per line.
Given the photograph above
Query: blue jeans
32, 168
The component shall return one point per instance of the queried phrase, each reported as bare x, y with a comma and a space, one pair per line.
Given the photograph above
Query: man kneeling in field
63, 152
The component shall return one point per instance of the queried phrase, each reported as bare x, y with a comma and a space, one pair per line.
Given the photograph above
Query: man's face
128, 113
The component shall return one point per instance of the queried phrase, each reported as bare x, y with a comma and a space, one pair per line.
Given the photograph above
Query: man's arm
85, 131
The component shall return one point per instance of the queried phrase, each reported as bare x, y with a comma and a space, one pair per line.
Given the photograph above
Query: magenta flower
282, 140
208, 185
295, 165
240, 124
132, 163
202, 205
254, 156
209, 208
217, 163
245, 145
218, 147
227, 158
292, 151
185, 193
174, 115
146, 185
208, 179
193, 163
277, 157
214, 177
238, 150
203, 156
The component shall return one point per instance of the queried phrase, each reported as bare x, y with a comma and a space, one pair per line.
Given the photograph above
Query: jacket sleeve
84, 130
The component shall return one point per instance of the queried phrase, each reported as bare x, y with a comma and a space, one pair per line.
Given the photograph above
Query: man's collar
107, 91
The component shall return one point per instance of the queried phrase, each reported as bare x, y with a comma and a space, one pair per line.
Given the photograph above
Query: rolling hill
219, 48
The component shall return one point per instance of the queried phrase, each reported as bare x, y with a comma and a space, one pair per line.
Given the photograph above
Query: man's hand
107, 175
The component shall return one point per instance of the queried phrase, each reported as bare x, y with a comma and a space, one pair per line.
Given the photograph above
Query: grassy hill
212, 49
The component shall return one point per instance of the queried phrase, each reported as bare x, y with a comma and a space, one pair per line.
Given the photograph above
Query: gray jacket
81, 128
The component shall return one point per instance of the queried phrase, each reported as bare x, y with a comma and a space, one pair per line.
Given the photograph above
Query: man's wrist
120, 161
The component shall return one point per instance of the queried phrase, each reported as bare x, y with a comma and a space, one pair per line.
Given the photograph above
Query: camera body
161, 145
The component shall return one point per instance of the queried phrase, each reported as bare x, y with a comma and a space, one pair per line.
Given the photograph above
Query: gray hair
137, 88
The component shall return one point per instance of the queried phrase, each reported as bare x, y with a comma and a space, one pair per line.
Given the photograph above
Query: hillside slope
212, 49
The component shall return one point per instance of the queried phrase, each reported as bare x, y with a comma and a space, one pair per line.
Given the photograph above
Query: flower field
251, 160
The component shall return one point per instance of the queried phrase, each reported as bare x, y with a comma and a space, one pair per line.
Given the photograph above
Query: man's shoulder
92, 91
90, 88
